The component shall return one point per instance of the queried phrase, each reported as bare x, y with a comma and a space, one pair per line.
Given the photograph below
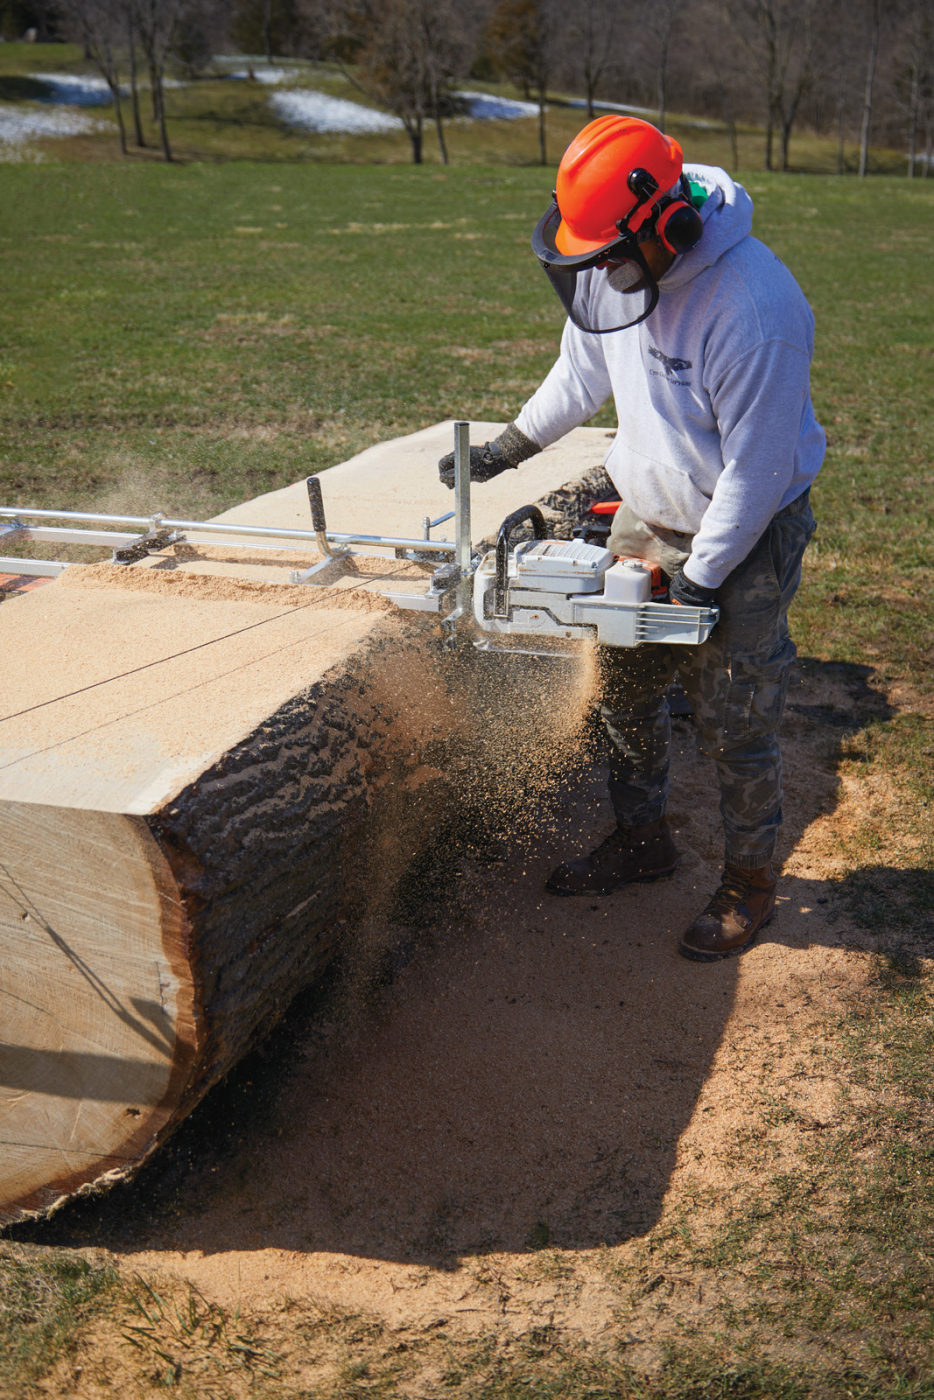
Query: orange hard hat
599, 181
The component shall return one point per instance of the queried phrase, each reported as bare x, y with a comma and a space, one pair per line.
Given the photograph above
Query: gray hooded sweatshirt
712, 391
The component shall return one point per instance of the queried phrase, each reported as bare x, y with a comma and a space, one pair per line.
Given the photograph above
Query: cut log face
96, 999
204, 775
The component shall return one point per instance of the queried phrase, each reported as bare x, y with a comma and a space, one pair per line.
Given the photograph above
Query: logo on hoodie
673, 366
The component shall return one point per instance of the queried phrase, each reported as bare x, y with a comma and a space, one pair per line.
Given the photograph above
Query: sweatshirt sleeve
760, 403
577, 385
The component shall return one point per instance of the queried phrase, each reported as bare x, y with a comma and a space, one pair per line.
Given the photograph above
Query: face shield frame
562, 271
581, 299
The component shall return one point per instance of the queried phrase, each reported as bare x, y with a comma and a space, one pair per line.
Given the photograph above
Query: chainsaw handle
518, 517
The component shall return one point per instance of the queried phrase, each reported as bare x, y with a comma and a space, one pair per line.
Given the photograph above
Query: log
207, 777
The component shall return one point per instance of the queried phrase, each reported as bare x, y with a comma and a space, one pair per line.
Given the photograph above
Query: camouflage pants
736, 681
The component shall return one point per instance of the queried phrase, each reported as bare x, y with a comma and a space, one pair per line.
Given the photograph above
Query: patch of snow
272, 76
74, 89
701, 123
316, 111
20, 125
486, 107
615, 107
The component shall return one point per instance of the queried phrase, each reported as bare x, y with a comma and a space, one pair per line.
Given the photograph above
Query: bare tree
780, 37
134, 85
592, 29
659, 19
99, 24
155, 22
405, 54
521, 37
916, 64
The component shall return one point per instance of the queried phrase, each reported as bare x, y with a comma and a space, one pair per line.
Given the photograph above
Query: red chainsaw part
20, 583
605, 508
659, 589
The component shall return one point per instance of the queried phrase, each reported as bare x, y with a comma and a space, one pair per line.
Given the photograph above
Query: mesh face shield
598, 299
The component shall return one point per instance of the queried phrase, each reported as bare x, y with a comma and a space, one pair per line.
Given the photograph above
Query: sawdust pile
216, 588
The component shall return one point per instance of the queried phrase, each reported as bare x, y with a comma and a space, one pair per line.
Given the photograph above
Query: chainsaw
548, 590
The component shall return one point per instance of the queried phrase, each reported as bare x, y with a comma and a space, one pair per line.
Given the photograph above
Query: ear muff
679, 227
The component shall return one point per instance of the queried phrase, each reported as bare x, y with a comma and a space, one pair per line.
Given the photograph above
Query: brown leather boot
743, 904
628, 854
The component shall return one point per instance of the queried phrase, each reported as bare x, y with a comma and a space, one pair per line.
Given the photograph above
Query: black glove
508, 450
689, 594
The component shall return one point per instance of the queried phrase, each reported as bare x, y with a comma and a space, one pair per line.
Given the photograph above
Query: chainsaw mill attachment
548, 591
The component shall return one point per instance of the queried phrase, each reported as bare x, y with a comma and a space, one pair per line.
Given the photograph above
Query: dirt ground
483, 1145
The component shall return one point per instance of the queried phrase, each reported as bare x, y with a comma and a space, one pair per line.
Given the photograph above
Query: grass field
186, 337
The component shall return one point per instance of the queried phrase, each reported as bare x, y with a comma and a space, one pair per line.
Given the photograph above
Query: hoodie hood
726, 215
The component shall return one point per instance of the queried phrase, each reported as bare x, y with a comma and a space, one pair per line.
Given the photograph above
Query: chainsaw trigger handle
518, 517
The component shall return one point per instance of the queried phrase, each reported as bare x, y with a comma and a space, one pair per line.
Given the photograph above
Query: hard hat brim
555, 246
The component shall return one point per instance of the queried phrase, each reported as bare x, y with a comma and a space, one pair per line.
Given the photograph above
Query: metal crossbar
156, 526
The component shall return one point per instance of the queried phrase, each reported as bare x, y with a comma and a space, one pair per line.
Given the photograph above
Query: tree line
859, 71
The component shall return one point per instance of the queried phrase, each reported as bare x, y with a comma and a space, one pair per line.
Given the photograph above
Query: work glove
508, 450
689, 594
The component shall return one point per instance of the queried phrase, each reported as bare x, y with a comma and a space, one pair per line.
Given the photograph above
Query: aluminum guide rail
233, 534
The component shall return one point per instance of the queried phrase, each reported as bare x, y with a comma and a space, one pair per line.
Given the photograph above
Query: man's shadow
518, 1075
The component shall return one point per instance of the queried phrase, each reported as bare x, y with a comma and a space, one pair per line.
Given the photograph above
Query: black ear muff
679, 227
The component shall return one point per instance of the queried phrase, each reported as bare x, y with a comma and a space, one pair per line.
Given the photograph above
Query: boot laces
734, 887
620, 839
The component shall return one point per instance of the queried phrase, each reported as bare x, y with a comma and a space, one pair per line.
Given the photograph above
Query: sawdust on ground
488, 1145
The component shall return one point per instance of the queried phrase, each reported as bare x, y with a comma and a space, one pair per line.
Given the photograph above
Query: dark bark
542, 153
913, 113
134, 84
769, 140
153, 90
163, 129
118, 110
442, 144
267, 38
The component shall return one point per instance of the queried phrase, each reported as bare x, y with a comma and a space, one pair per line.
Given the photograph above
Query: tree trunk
841, 133
118, 109
267, 39
784, 141
913, 118
167, 941
194, 810
769, 140
163, 129
134, 85
870, 79
442, 144
154, 90
662, 95
414, 128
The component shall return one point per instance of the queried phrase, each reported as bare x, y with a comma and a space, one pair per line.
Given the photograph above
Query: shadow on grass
516, 1074
21, 89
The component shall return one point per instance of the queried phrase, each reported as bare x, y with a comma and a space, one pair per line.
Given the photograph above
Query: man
704, 339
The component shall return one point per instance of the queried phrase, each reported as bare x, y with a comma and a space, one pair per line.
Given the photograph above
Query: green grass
47, 1298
